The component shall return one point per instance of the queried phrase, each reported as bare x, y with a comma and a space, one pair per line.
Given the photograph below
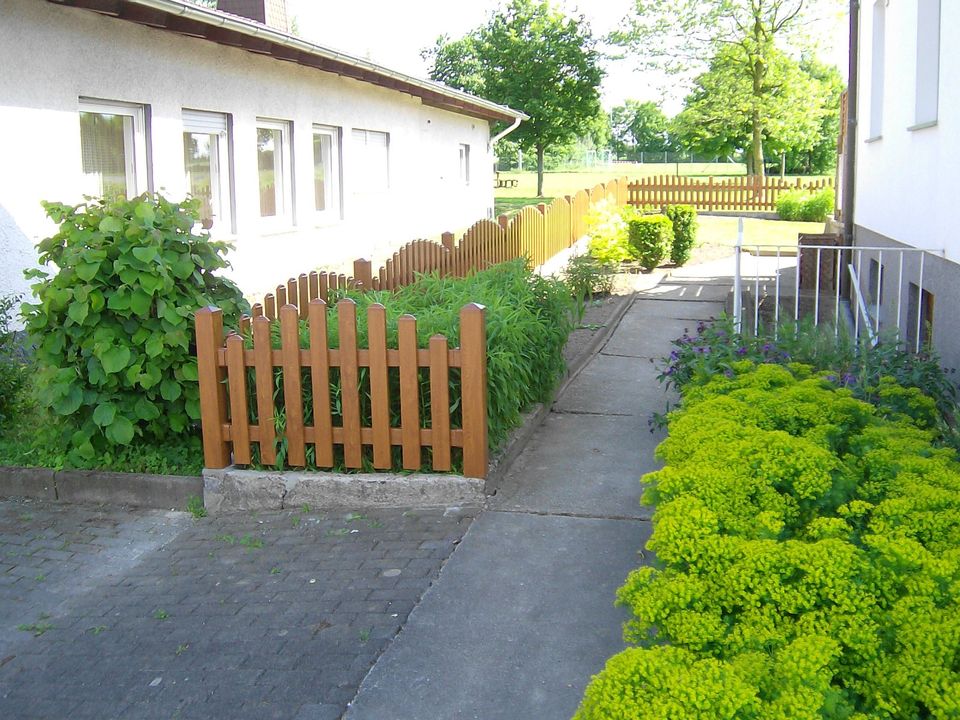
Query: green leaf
111, 224
154, 345
87, 270
170, 390
115, 359
120, 300
146, 409
120, 431
190, 371
70, 402
104, 414
145, 212
78, 312
140, 302
145, 254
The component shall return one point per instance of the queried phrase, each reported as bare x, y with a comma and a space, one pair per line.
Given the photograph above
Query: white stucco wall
51, 56
905, 184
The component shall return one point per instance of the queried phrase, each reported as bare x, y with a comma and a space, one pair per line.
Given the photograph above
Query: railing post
473, 373
737, 292
213, 393
362, 276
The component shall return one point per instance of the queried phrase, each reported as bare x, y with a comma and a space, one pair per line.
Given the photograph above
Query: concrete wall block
27, 482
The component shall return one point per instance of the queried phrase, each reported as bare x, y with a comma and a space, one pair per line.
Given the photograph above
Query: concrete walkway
522, 614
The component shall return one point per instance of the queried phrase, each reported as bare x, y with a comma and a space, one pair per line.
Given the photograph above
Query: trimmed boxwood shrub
808, 562
684, 220
651, 237
113, 322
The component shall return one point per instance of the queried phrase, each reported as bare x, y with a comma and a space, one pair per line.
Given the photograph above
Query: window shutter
204, 122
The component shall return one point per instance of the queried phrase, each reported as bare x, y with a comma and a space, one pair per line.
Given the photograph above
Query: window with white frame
274, 170
371, 159
928, 61
465, 164
206, 162
326, 171
876, 68
113, 146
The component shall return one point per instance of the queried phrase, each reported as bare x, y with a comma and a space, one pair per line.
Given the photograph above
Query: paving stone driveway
109, 613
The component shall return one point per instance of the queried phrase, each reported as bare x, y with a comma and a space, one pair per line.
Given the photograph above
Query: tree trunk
539, 170
756, 149
756, 121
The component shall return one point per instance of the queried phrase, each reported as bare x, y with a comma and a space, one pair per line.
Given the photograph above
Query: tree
680, 35
531, 57
638, 127
822, 156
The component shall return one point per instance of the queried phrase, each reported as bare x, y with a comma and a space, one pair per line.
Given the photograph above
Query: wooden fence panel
226, 395
747, 193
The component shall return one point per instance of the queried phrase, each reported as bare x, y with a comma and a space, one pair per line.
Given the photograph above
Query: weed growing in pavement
337, 532
355, 516
195, 507
182, 648
160, 614
295, 521
224, 538
39, 627
274, 571
365, 635
251, 543
96, 629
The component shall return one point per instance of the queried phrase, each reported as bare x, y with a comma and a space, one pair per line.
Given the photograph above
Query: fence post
213, 393
447, 240
362, 276
473, 372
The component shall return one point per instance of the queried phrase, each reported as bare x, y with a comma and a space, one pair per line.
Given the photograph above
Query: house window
928, 61
274, 169
113, 144
371, 157
206, 161
326, 171
465, 164
919, 314
876, 69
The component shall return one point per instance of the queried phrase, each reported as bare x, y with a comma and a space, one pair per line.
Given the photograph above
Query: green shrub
607, 232
684, 220
113, 324
807, 562
528, 319
800, 205
586, 277
13, 371
651, 237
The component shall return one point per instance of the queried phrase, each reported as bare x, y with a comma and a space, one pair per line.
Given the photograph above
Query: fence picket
379, 386
320, 383
473, 373
292, 391
263, 380
440, 403
349, 383
409, 392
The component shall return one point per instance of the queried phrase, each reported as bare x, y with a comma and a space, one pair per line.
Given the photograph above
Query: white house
907, 156
303, 156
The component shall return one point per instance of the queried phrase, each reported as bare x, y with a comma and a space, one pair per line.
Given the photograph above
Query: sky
393, 33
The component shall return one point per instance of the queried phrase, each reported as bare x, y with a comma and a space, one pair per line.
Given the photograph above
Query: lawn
715, 230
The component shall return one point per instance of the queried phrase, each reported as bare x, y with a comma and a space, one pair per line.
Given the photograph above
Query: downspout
501, 135
850, 145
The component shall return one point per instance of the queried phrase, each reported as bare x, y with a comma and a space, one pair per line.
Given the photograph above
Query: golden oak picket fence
238, 371
745, 193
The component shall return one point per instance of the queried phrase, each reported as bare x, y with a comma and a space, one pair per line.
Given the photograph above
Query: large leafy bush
113, 322
805, 206
607, 231
651, 237
13, 371
808, 562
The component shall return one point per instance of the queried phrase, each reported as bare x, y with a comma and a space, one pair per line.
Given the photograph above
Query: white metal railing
770, 280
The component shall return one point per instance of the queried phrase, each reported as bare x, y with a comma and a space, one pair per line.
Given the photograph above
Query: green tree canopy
533, 58
747, 36
638, 127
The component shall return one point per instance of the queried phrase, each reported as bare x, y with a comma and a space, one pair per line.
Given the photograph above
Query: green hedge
684, 220
651, 237
804, 206
807, 562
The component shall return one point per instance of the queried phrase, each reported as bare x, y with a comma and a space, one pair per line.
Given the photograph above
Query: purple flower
741, 351
728, 373
831, 378
848, 379
674, 355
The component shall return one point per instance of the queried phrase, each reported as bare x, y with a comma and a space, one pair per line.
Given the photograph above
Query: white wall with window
903, 188
878, 43
298, 168
206, 164
464, 165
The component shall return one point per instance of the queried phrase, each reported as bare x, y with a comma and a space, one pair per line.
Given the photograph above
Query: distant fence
361, 406
746, 193
538, 232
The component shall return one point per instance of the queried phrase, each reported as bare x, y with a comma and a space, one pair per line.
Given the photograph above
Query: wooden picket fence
537, 232
237, 383
235, 414
749, 194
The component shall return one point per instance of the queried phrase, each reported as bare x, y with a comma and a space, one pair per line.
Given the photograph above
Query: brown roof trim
225, 29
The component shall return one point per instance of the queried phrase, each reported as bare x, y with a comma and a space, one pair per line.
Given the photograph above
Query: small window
876, 68
919, 315
113, 144
206, 162
371, 158
326, 171
274, 170
465, 164
928, 61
